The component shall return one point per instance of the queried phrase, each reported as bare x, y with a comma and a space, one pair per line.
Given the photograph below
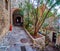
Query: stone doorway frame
16, 14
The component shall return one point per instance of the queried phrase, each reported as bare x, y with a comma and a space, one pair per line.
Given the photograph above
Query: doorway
17, 18
54, 37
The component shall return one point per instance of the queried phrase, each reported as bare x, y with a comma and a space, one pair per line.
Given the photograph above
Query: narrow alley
16, 40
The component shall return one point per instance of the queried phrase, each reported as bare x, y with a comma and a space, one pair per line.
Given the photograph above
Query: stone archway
17, 18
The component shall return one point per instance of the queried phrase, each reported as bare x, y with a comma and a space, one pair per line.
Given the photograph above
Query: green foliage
21, 12
41, 1
45, 25
52, 6
28, 6
47, 1
58, 15
50, 3
49, 14
58, 2
26, 21
30, 10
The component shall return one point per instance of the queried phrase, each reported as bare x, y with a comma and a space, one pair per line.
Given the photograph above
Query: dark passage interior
18, 20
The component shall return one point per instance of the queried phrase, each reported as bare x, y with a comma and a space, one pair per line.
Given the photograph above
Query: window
6, 4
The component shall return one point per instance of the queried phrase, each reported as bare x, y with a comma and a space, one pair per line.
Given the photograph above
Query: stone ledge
37, 40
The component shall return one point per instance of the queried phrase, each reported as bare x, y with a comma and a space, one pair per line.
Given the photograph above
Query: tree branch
46, 16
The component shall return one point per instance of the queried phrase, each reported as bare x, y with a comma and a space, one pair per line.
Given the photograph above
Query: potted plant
39, 14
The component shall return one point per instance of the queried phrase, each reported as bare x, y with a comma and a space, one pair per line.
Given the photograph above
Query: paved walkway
16, 40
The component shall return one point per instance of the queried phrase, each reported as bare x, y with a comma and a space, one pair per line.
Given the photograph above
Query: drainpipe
10, 11
10, 18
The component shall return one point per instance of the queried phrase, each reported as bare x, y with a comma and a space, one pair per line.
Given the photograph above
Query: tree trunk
36, 20
35, 32
37, 23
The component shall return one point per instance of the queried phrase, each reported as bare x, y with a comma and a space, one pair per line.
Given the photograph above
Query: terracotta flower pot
10, 27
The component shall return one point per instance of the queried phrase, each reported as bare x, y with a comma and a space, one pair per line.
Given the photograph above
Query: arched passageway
17, 18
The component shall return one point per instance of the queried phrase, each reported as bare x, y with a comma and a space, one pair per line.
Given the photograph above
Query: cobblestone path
16, 40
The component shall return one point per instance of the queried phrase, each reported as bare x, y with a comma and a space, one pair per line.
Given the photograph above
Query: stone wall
1, 16
5, 14
58, 39
15, 3
4, 19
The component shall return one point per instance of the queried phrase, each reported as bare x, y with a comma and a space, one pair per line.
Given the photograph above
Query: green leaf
41, 1
49, 14
51, 2
47, 1
58, 3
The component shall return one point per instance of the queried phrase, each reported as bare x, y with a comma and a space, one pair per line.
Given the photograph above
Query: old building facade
16, 18
9, 14
4, 17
